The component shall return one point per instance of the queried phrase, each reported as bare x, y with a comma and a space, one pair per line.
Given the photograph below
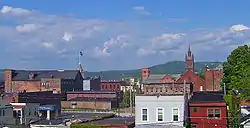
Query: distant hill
172, 67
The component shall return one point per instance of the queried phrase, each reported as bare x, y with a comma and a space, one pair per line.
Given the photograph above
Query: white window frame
173, 114
142, 114
157, 111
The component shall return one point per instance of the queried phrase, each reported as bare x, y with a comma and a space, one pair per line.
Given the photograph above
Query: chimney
145, 73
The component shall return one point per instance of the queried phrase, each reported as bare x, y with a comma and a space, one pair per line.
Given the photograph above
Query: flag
81, 53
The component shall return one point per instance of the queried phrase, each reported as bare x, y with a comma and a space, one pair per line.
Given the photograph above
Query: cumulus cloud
239, 27
145, 52
14, 11
67, 36
141, 10
26, 28
47, 44
167, 41
116, 41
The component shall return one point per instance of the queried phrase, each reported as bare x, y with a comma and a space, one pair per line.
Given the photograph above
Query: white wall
152, 103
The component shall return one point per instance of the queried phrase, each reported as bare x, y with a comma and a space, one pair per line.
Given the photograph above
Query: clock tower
189, 60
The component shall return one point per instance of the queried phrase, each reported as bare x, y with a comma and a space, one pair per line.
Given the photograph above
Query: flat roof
115, 120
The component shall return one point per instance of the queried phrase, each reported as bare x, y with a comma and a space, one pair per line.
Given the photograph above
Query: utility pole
130, 98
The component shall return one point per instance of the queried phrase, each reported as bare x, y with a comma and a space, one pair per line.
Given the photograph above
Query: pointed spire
189, 47
189, 50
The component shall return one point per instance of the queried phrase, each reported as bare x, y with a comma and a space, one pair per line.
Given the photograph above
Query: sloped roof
207, 96
154, 78
63, 74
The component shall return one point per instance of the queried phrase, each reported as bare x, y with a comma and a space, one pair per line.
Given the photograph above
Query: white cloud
67, 36
144, 52
239, 27
14, 11
141, 10
47, 44
166, 41
100, 53
26, 27
112, 40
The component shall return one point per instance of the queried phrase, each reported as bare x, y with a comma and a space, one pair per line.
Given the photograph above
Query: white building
159, 111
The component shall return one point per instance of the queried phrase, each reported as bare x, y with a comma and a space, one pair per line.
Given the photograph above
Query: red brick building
93, 99
155, 78
112, 85
57, 81
208, 110
191, 77
213, 78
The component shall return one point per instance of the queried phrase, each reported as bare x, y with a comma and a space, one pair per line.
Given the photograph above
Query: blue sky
118, 34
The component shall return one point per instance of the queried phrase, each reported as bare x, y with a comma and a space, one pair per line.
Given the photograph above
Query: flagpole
79, 57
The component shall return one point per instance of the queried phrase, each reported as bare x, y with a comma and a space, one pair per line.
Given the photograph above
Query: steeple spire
189, 60
189, 50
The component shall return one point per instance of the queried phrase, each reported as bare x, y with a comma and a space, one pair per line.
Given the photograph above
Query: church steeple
189, 60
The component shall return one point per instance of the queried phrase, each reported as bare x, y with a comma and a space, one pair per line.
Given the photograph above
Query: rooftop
115, 120
207, 96
71, 116
21, 75
91, 99
93, 92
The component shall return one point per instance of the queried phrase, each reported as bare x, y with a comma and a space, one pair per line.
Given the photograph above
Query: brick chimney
145, 73
7, 80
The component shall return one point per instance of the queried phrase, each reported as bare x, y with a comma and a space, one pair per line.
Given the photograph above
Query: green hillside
172, 67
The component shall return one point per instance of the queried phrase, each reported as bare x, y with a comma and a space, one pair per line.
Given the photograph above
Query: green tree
202, 75
237, 71
125, 101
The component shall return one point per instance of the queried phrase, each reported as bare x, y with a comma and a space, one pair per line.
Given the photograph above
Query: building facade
112, 85
93, 99
58, 81
208, 110
6, 113
159, 110
25, 113
92, 84
162, 104
213, 79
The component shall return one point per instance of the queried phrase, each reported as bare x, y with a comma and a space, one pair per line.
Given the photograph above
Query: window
175, 114
160, 114
195, 109
210, 113
217, 113
3, 113
144, 114
213, 113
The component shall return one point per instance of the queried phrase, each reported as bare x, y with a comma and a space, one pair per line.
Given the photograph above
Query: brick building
58, 81
213, 79
189, 75
154, 78
208, 110
192, 77
167, 88
93, 99
112, 85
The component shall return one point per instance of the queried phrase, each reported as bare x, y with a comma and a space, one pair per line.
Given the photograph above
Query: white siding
165, 102
86, 84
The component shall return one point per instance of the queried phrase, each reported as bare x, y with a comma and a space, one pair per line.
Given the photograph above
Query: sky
118, 34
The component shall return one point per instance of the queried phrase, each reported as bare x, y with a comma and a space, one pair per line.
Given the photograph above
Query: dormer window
31, 76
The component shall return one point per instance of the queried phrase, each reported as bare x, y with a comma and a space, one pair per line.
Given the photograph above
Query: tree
237, 71
125, 101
